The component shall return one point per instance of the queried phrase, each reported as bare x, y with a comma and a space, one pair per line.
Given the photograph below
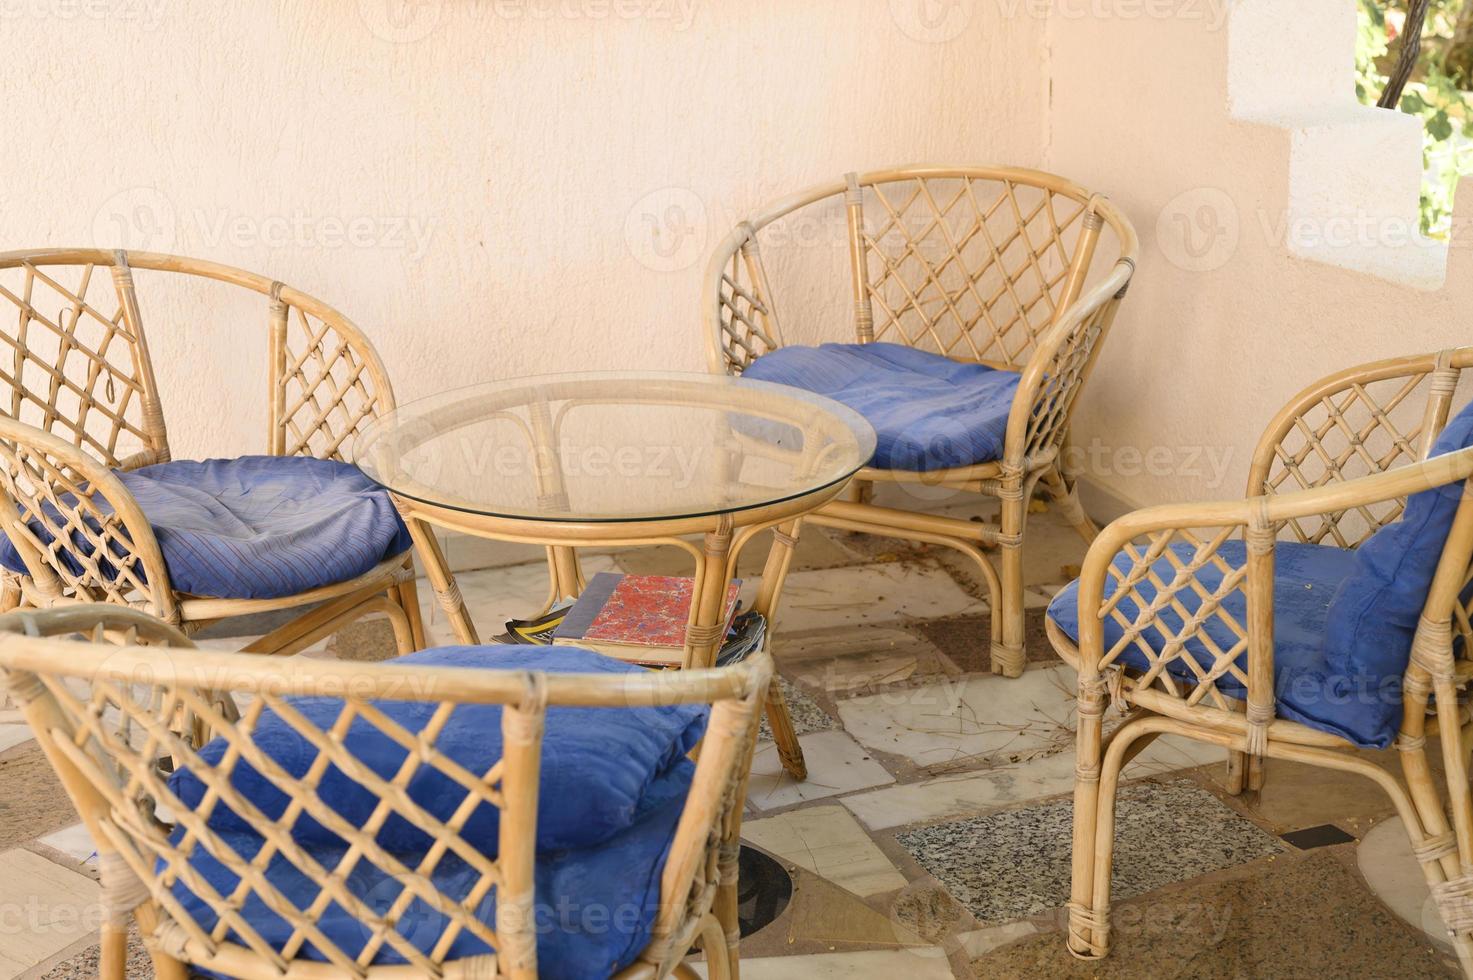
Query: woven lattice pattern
1365, 428
71, 359
1063, 380
1172, 617
745, 309
968, 267
65, 520
130, 726
324, 388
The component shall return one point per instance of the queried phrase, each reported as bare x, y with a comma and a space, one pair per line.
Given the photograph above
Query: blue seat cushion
929, 412
257, 527
1363, 707
1374, 617
594, 907
597, 763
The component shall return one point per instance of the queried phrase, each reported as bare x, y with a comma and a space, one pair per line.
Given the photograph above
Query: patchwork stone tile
366, 641
840, 598
980, 942
794, 646
969, 721
967, 640
927, 910
836, 764
1016, 863
74, 841
1296, 796
806, 714
32, 801
829, 842
1394, 876
1294, 918
85, 965
12, 734
823, 918
920, 963
51, 908
978, 792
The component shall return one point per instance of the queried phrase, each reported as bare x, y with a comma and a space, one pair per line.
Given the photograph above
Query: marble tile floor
932, 837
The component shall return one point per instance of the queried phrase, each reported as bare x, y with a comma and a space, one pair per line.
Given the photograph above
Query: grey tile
1015, 863
805, 712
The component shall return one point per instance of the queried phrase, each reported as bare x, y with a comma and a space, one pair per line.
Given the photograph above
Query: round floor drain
764, 889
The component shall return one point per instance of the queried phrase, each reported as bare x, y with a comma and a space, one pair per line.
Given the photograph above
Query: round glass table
699, 462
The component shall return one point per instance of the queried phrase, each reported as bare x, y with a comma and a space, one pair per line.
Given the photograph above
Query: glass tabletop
614, 447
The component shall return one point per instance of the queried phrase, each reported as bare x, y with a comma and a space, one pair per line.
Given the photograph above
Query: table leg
706, 632
441, 580
774, 572
567, 576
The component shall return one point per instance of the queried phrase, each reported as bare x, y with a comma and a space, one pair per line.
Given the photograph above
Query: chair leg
786, 739
1088, 937
1009, 657
713, 944
1066, 498
1237, 772
114, 957
408, 596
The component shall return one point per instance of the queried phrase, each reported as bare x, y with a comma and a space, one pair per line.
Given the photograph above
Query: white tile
494, 595
12, 735
836, 764
829, 842
974, 793
48, 909
1385, 858
969, 720
74, 841
840, 598
915, 963
984, 941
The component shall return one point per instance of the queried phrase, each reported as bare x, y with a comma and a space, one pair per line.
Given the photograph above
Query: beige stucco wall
1276, 221
489, 187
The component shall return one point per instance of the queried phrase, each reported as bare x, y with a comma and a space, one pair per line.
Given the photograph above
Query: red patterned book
634, 617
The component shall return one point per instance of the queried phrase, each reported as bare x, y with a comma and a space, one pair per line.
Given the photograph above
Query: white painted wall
1277, 221
489, 187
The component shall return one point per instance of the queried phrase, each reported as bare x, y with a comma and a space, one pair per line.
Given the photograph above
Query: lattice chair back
78, 361
971, 262
1364, 420
104, 714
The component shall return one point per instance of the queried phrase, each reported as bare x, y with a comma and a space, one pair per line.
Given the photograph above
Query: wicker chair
103, 713
986, 265
84, 406
1178, 602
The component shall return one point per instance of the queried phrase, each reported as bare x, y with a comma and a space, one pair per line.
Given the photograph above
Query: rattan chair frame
118, 791
91, 386
1059, 320
1351, 483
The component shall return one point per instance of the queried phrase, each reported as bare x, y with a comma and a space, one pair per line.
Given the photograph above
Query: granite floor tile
969, 721
840, 598
980, 942
1016, 863
366, 641
805, 713
1306, 919
84, 965
1296, 796
1035, 779
1394, 876
74, 841
50, 908
920, 963
836, 764
829, 842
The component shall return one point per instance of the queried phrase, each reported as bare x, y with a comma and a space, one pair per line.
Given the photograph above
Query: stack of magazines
638, 618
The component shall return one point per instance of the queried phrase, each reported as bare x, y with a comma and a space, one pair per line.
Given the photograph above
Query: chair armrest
94, 542
1189, 537
1056, 373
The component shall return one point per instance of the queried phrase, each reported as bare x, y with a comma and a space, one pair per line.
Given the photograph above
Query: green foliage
1445, 110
